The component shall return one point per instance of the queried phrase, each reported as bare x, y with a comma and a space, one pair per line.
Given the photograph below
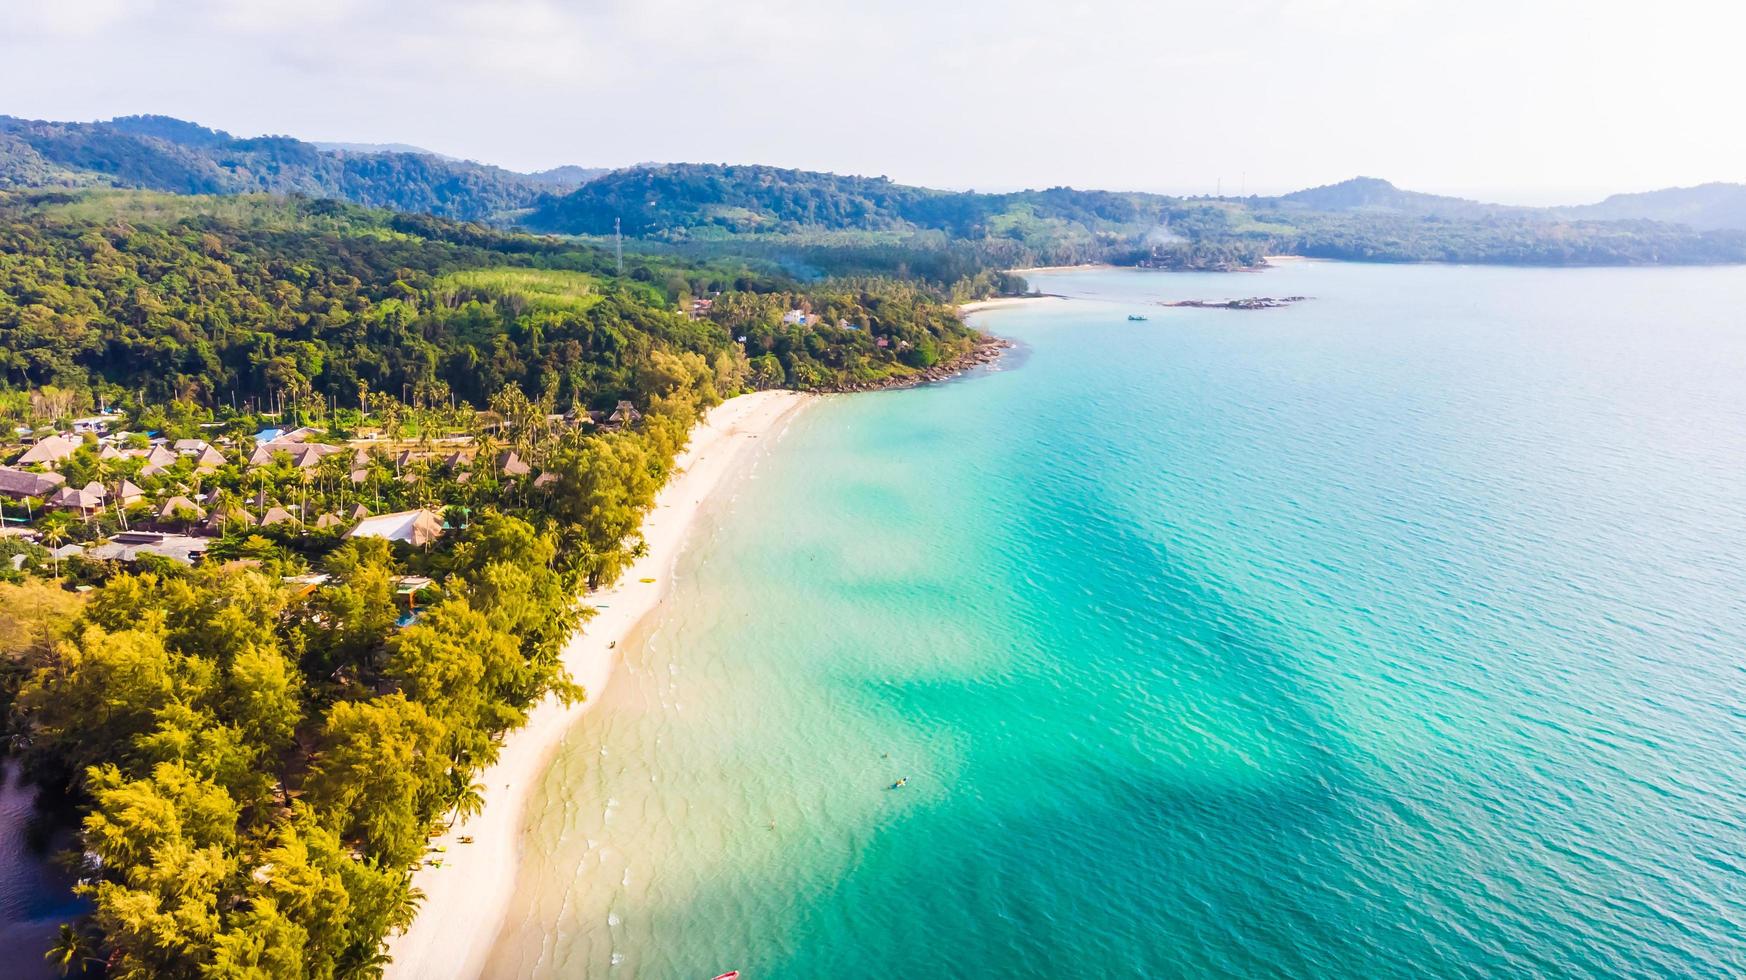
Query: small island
1252, 303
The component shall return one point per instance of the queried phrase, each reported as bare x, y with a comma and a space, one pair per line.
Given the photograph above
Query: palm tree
223, 503
73, 951
364, 961
469, 804
56, 528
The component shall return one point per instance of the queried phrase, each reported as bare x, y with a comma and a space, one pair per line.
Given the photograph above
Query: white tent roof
415, 526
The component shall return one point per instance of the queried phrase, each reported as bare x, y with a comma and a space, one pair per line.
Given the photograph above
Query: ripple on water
1393, 635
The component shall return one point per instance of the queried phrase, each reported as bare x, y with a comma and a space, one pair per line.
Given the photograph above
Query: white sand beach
1061, 268
984, 305
465, 898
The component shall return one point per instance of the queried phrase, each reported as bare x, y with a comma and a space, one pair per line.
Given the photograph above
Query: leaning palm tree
469, 804
74, 950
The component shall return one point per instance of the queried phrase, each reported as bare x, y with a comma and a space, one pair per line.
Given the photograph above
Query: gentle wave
1395, 634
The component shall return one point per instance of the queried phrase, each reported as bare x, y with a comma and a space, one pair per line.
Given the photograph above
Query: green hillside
165, 154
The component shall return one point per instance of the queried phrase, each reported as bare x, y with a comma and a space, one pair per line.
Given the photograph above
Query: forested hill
1704, 206
820, 224
1365, 219
165, 154
867, 222
652, 200
131, 295
1376, 194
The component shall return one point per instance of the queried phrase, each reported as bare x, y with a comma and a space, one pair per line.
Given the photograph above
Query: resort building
19, 484
96, 424
128, 494
277, 515
49, 451
624, 414
127, 546
304, 455
178, 506
510, 463
85, 502
415, 527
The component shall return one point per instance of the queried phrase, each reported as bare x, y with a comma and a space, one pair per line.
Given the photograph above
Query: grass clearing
552, 289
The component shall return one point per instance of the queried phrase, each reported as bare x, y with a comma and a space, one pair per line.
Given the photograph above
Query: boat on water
1136, 317
729, 975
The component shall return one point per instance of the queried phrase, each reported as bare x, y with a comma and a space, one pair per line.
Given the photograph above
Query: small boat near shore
1136, 318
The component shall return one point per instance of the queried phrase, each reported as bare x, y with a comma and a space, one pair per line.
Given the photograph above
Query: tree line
256, 749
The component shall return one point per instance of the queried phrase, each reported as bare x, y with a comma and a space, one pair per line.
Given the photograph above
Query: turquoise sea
1399, 633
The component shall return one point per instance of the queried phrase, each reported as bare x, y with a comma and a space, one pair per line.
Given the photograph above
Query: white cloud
28, 19
1127, 93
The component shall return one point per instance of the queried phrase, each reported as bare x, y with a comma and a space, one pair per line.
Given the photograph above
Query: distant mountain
171, 129
1706, 206
700, 197
568, 176
794, 217
333, 147
1376, 194
162, 153
662, 199
1364, 219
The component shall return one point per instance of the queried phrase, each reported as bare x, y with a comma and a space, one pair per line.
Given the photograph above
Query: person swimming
901, 782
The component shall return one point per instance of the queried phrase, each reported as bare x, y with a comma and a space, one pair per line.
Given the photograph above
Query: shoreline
987, 350
1063, 268
1004, 302
465, 900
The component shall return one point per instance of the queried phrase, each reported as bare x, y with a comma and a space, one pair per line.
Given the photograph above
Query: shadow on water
35, 893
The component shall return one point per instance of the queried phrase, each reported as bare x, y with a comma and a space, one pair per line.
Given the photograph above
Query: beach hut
222, 520
625, 414
19, 484
304, 455
208, 460
277, 515
83, 501
178, 504
509, 463
49, 451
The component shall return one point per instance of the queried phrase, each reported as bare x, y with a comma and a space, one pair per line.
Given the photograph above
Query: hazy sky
1524, 100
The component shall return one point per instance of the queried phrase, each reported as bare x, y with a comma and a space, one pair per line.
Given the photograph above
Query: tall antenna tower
618, 243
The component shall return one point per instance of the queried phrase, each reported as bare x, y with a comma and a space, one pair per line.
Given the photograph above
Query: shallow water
1399, 633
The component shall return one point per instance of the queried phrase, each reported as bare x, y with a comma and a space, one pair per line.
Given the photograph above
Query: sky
1521, 101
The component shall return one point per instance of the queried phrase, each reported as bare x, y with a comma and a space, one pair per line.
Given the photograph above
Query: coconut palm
74, 950
55, 530
470, 803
